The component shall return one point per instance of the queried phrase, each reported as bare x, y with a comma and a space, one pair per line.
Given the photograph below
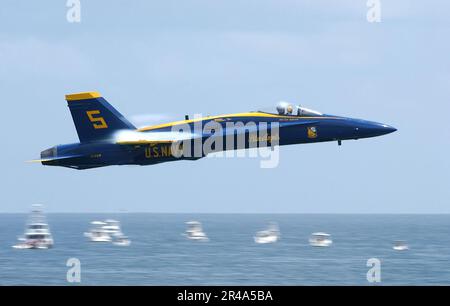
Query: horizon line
235, 213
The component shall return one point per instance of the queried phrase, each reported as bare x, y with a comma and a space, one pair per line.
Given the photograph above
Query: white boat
400, 245
23, 245
320, 240
107, 231
37, 232
121, 240
112, 227
194, 231
97, 233
270, 235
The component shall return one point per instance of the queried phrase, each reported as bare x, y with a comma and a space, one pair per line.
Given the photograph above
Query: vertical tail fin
95, 119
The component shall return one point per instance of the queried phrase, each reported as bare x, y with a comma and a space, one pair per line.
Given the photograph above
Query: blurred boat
97, 233
400, 245
194, 231
270, 235
320, 239
107, 231
22, 246
121, 240
37, 233
112, 227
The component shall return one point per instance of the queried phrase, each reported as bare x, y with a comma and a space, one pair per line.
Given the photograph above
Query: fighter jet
108, 138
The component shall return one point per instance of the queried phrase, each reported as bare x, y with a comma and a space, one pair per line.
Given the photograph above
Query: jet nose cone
373, 129
382, 129
386, 129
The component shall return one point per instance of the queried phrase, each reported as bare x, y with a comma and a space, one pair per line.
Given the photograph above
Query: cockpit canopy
289, 109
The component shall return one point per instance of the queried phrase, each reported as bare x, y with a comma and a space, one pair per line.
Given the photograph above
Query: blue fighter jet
108, 138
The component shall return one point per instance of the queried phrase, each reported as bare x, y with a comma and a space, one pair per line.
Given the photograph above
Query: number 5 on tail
98, 122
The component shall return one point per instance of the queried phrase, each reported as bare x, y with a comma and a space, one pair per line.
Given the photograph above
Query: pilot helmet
281, 107
289, 109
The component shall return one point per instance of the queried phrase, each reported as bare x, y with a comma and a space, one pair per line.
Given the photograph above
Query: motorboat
107, 231
121, 240
400, 245
269, 235
194, 231
22, 246
320, 239
37, 233
112, 227
97, 233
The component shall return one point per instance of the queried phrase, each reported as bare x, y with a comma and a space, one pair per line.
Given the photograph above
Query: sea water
160, 255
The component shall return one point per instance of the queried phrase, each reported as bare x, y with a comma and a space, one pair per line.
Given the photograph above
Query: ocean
160, 255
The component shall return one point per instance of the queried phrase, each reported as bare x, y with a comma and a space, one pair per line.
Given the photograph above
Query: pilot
289, 109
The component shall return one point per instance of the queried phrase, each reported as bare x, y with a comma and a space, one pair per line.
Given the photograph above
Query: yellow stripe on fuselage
249, 114
83, 96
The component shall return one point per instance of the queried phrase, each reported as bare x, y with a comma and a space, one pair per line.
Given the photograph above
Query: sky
158, 60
